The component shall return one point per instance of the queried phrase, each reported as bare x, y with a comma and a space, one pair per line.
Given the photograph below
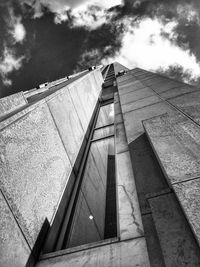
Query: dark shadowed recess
170, 241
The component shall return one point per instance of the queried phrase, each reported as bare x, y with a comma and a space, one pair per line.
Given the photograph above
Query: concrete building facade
101, 169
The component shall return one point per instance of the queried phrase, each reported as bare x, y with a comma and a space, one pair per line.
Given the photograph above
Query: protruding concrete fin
176, 143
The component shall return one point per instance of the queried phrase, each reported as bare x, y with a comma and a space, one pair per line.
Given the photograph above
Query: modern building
101, 169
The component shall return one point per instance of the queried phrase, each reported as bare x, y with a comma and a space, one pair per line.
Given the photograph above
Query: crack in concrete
140, 231
86, 262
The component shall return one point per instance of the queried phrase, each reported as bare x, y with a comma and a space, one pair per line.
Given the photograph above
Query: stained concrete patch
34, 169
179, 247
188, 194
14, 249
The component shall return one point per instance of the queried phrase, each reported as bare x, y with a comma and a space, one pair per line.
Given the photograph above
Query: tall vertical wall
39, 145
129, 247
152, 228
161, 120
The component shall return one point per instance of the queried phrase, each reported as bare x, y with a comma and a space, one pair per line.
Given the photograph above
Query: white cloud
83, 16
87, 19
16, 28
106, 4
80, 10
61, 16
8, 63
146, 48
18, 31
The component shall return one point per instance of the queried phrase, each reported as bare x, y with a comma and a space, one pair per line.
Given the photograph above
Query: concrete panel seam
122, 94
123, 151
174, 97
158, 194
143, 107
187, 180
58, 132
136, 100
15, 219
176, 108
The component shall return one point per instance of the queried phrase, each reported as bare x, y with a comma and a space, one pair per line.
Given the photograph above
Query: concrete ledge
10, 103
118, 254
176, 143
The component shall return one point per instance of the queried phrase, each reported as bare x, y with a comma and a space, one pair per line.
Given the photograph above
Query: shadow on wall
170, 241
33, 258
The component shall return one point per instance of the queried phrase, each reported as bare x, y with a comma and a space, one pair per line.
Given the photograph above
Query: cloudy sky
43, 40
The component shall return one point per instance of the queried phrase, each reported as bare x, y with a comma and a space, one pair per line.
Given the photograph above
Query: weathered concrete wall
121, 254
11, 103
14, 250
145, 99
130, 248
143, 197
130, 223
38, 147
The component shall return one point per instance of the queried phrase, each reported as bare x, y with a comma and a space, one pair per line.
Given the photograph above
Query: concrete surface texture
166, 111
11, 103
177, 242
128, 253
14, 248
156, 136
39, 145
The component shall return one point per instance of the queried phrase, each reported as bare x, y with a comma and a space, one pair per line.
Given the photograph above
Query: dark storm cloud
53, 50
187, 35
101, 43
12, 33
